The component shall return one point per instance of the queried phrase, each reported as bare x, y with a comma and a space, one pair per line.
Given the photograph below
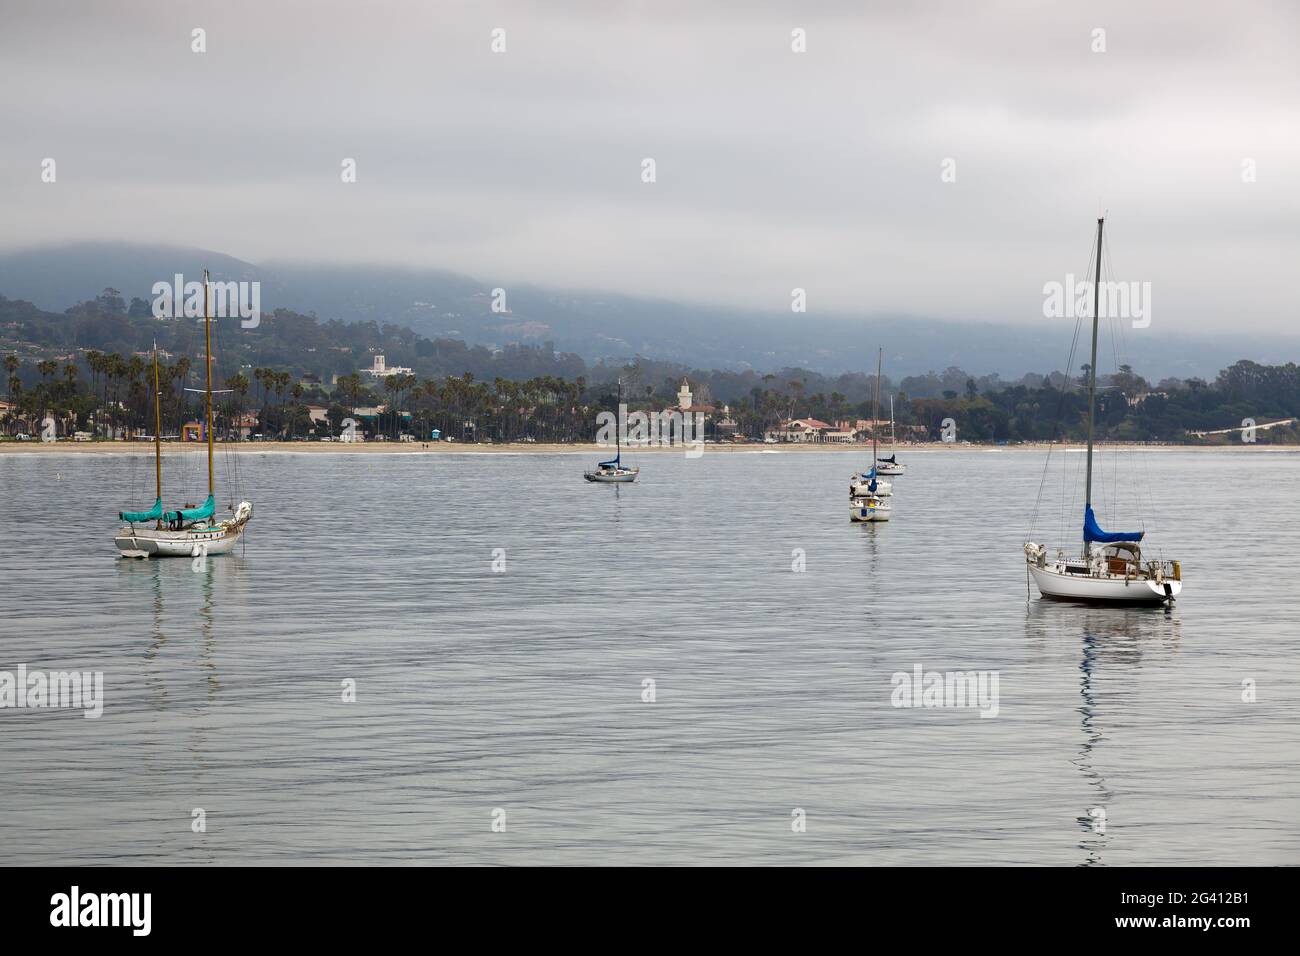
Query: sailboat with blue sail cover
889, 464
869, 495
1111, 569
613, 470
870, 483
184, 532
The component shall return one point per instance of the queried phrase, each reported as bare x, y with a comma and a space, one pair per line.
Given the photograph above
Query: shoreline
526, 448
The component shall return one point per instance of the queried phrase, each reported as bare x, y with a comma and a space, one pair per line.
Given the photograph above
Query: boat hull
891, 469
622, 478
1087, 589
859, 488
861, 511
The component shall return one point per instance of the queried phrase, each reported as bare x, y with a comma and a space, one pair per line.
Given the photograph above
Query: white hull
890, 469
859, 488
152, 543
624, 475
868, 509
1105, 588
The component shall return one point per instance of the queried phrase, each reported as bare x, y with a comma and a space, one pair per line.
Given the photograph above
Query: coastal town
86, 375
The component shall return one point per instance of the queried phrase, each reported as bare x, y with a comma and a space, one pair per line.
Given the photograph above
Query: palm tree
238, 385
296, 392
11, 366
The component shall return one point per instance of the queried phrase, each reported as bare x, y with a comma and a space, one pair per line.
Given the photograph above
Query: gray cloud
775, 170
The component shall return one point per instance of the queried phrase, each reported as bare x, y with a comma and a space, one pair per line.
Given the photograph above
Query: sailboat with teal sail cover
1111, 568
155, 513
183, 532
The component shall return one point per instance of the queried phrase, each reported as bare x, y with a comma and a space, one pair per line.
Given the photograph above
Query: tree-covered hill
94, 356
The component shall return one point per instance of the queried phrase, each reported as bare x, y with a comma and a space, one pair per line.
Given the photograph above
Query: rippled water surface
522, 691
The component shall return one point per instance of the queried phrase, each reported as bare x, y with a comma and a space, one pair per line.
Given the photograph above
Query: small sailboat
186, 532
1111, 569
613, 470
891, 465
866, 500
870, 483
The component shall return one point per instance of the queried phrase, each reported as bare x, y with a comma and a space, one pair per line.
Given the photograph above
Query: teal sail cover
204, 510
1092, 531
153, 514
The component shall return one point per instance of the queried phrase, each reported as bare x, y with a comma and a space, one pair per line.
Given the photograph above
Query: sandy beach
457, 448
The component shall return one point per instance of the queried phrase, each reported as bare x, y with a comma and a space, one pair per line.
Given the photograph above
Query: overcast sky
774, 169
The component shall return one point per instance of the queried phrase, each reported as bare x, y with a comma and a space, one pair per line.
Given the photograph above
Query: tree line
274, 374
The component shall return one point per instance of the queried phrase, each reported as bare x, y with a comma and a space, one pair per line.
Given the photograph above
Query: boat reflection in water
1113, 645
182, 626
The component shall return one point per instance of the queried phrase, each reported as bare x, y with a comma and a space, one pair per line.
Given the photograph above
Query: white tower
684, 400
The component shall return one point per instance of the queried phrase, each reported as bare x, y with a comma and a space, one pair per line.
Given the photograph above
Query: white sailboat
612, 471
186, 532
1111, 568
866, 500
890, 464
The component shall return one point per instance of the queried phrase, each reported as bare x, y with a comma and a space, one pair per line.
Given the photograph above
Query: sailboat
866, 502
186, 532
890, 465
613, 470
1111, 568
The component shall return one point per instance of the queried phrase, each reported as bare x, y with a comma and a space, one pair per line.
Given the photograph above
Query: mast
207, 345
618, 428
893, 440
1092, 371
875, 407
157, 429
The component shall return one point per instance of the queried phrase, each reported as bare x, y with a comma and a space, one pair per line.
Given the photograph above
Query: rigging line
1060, 408
1065, 386
1134, 454
234, 482
1115, 330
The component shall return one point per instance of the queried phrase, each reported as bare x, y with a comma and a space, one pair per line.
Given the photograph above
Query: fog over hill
610, 327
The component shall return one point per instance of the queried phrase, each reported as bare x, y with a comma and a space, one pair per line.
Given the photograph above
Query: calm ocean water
522, 691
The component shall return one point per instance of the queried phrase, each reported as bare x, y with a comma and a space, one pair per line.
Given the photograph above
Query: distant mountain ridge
606, 327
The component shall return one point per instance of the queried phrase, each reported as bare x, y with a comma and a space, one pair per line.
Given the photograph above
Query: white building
381, 369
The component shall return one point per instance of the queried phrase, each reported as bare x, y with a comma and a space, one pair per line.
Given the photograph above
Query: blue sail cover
153, 514
204, 510
1092, 531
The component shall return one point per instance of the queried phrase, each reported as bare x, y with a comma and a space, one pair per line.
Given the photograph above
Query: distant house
1135, 400
841, 433
726, 426
246, 426
8, 408
368, 416
318, 414
798, 430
